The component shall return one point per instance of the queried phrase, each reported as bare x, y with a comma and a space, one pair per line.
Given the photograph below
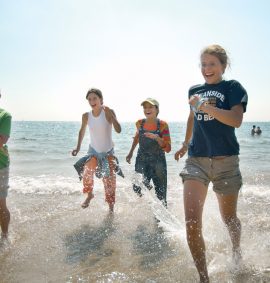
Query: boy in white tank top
100, 159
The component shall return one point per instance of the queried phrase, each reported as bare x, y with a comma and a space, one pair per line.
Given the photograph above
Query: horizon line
178, 121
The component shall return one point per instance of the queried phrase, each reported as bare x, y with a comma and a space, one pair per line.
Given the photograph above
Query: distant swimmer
258, 131
253, 130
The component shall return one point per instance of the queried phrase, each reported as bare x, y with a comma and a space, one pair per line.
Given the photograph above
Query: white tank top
100, 132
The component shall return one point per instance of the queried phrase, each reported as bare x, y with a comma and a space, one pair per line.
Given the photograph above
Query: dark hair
96, 91
157, 109
219, 52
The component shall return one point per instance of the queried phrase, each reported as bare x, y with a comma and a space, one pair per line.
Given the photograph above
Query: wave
45, 184
21, 150
24, 139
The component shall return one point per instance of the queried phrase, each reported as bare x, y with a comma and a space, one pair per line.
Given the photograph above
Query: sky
52, 52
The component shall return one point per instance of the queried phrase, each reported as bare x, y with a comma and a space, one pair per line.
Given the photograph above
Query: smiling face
212, 69
94, 101
150, 111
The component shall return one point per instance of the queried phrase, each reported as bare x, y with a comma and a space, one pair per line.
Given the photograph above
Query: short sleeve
165, 134
5, 124
237, 95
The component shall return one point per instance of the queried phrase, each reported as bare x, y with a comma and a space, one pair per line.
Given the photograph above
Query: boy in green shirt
5, 126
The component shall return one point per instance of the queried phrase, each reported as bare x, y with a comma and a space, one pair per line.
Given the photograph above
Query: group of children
216, 109
152, 135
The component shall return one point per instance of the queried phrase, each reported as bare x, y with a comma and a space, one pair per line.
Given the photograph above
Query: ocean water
53, 240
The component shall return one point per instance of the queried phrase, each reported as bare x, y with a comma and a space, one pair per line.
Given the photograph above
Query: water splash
166, 220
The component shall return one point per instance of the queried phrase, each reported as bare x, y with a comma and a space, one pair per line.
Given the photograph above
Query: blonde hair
219, 52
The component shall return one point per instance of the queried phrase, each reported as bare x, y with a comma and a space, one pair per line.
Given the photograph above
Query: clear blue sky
53, 51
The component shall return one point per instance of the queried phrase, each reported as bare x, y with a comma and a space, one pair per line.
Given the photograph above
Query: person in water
253, 130
100, 159
153, 137
258, 130
217, 108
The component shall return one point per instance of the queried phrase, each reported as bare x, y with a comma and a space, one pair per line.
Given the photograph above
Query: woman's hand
181, 152
128, 158
196, 102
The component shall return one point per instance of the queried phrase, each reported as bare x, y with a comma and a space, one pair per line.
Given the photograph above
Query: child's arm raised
111, 118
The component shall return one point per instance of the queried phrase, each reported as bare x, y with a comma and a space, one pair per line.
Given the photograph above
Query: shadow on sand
152, 245
89, 241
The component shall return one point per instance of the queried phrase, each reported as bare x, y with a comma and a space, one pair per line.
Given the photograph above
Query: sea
52, 239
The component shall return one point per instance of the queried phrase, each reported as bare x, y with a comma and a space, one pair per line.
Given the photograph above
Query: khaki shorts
223, 172
4, 176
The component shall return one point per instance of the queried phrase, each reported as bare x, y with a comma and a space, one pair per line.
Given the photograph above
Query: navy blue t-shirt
211, 137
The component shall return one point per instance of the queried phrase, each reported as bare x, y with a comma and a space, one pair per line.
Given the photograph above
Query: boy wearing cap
154, 140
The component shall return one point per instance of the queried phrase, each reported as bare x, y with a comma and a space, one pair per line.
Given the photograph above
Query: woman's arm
182, 151
232, 117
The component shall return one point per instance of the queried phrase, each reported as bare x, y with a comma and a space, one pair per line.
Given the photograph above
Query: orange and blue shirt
164, 132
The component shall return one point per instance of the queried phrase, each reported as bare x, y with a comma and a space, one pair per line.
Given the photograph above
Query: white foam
44, 184
261, 191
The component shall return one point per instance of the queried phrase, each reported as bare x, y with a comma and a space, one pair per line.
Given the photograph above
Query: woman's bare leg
228, 211
194, 197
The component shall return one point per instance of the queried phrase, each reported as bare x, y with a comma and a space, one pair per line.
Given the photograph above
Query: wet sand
52, 239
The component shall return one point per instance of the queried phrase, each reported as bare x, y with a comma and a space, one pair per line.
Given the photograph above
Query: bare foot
204, 279
237, 256
85, 204
4, 236
111, 207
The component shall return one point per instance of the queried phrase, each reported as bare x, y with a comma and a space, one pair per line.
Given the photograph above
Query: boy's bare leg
88, 180
110, 185
4, 218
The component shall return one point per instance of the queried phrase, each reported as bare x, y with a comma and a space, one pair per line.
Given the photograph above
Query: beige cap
151, 101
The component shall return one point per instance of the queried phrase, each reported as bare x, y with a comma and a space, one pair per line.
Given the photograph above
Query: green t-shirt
5, 127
